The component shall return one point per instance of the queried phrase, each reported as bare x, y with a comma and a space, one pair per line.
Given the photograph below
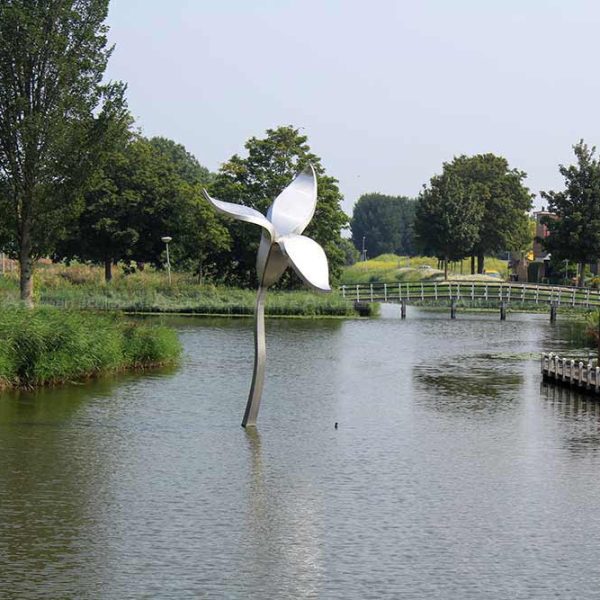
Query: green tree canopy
504, 199
448, 218
53, 117
385, 223
351, 254
575, 230
186, 165
138, 197
271, 164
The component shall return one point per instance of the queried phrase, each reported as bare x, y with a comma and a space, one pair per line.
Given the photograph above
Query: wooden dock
584, 376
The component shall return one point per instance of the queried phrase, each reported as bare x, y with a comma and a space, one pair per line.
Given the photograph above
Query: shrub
48, 346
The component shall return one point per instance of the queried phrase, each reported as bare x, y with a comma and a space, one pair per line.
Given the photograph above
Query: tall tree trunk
472, 264
480, 262
446, 269
26, 267
107, 270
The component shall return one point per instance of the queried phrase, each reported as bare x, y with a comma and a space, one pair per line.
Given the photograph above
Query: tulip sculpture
281, 245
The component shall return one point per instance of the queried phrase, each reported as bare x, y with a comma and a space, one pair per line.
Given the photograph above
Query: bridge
499, 294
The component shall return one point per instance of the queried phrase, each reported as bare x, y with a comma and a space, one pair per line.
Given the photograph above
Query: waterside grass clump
48, 346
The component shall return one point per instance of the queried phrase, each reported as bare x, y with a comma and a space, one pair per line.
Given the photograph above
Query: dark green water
453, 474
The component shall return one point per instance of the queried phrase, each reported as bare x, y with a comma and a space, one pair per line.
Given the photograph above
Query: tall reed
48, 346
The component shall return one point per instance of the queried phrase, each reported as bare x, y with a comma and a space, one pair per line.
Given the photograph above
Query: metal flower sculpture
281, 245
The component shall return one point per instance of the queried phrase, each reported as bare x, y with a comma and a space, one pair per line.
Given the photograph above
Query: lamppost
364, 250
166, 239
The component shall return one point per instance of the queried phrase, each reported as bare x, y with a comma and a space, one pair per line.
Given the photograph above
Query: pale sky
386, 91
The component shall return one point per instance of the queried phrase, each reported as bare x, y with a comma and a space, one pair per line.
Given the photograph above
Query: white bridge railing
489, 292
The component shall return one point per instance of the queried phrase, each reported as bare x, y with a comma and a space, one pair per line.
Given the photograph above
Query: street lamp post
166, 239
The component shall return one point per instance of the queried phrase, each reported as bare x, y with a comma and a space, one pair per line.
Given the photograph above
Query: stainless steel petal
270, 262
308, 260
293, 209
242, 213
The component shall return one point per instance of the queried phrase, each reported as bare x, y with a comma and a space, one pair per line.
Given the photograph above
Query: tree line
478, 206
77, 181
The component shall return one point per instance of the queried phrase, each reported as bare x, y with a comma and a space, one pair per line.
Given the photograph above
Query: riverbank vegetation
46, 346
83, 287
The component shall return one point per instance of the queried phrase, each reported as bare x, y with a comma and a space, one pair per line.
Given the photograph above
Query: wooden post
453, 308
552, 312
503, 311
544, 362
572, 372
403, 309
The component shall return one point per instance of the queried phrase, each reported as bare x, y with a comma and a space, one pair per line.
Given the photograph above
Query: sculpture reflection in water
282, 245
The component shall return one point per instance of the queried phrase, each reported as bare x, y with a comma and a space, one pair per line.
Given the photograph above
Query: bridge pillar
503, 311
403, 309
552, 312
453, 308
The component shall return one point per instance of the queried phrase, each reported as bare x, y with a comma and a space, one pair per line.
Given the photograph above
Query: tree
351, 254
448, 218
574, 231
385, 223
52, 58
504, 199
186, 165
256, 180
201, 236
138, 197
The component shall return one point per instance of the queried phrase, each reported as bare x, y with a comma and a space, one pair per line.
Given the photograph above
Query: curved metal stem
260, 354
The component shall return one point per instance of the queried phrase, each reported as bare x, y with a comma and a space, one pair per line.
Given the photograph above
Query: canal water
453, 472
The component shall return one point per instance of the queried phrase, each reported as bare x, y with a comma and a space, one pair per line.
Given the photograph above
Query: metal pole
168, 263
260, 355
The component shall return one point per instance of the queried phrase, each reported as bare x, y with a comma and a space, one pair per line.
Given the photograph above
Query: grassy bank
389, 268
48, 346
82, 287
